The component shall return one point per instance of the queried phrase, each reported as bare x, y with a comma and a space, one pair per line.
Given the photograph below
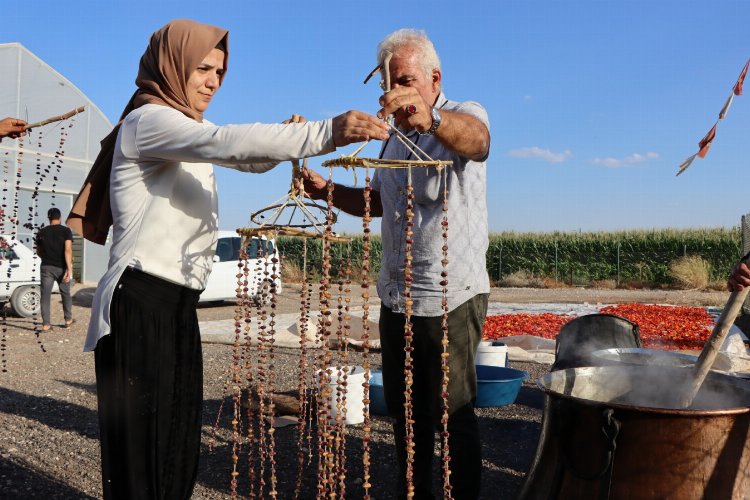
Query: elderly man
445, 130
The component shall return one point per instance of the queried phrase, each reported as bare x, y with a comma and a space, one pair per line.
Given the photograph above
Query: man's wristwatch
436, 119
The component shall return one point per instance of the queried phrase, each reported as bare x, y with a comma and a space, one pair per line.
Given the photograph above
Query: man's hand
739, 278
315, 184
408, 108
67, 276
12, 127
356, 126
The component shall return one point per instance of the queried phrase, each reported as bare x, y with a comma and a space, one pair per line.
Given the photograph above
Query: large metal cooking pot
617, 432
724, 363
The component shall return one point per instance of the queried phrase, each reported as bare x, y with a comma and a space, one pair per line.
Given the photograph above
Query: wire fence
632, 257
617, 264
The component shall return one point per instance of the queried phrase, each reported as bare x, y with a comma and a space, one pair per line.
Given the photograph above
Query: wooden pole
56, 118
711, 348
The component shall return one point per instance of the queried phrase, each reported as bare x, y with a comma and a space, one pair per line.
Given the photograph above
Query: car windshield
259, 248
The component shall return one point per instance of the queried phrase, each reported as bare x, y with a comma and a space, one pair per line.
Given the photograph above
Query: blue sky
593, 104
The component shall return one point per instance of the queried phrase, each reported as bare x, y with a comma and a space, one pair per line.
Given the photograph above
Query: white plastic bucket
354, 393
492, 353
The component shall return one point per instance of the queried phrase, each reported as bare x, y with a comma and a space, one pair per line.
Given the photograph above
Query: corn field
642, 256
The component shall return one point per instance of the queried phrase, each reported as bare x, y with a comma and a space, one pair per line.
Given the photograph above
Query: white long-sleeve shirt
163, 192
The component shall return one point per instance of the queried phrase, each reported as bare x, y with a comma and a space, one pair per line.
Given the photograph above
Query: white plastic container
492, 353
354, 394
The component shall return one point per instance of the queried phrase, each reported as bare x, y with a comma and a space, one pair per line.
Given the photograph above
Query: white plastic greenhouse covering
30, 89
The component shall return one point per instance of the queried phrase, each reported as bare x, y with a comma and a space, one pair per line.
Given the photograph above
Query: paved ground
48, 425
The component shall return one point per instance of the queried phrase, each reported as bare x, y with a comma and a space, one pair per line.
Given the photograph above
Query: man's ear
437, 78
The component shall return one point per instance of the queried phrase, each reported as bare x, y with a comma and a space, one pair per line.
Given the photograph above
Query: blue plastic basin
377, 396
497, 385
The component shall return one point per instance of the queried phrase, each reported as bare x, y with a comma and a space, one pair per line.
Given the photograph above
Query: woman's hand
295, 119
356, 126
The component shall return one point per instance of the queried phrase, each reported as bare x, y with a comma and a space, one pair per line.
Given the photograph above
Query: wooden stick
56, 118
387, 71
711, 348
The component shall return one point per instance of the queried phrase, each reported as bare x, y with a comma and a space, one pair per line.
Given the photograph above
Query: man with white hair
445, 130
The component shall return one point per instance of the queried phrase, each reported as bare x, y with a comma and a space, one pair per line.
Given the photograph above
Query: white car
222, 282
19, 277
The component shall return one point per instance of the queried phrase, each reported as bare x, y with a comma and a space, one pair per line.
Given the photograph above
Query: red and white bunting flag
741, 79
724, 110
706, 142
685, 164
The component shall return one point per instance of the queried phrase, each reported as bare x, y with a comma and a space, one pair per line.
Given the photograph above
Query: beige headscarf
173, 53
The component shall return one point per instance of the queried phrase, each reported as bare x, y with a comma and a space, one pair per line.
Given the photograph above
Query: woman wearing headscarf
153, 181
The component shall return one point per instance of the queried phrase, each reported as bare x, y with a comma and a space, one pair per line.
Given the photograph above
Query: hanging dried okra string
248, 352
342, 339
302, 380
408, 336
229, 372
312, 362
16, 218
56, 164
271, 366
31, 224
325, 434
39, 175
340, 380
444, 356
261, 316
236, 374
4, 248
366, 425
19, 175
6, 188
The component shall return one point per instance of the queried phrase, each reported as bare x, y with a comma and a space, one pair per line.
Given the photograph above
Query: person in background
154, 181
54, 244
12, 127
445, 130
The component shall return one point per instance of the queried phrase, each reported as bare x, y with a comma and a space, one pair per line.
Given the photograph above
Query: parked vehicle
222, 283
19, 277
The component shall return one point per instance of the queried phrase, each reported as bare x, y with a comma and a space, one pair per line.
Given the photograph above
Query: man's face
406, 71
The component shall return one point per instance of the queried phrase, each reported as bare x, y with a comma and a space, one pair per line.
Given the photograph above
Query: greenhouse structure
48, 167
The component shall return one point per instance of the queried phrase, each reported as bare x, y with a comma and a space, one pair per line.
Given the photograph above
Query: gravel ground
48, 424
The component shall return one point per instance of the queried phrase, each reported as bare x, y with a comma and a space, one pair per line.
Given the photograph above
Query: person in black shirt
54, 244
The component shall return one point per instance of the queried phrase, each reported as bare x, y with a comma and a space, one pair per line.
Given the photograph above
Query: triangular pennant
685, 164
741, 79
724, 110
706, 142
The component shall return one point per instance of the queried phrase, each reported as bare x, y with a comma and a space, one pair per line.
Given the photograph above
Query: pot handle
610, 429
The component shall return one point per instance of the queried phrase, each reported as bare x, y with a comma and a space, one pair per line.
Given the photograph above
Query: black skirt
149, 379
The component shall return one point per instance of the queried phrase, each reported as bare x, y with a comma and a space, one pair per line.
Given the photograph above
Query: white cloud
628, 160
527, 98
543, 154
